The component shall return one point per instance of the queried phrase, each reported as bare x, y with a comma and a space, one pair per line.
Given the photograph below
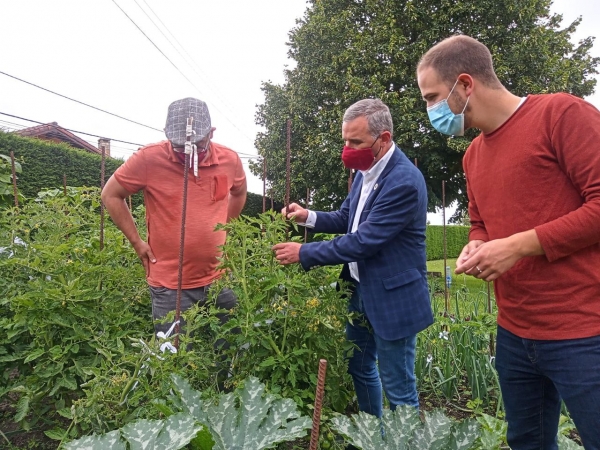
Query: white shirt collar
376, 170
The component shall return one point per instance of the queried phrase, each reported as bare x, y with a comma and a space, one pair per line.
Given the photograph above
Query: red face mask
359, 158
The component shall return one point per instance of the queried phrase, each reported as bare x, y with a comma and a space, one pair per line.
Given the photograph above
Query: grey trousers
164, 300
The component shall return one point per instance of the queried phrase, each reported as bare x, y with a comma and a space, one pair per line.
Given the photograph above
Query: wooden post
307, 204
14, 178
446, 291
102, 167
65, 184
492, 349
350, 180
288, 170
264, 184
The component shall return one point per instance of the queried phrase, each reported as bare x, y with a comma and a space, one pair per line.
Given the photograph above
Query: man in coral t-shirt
216, 194
533, 182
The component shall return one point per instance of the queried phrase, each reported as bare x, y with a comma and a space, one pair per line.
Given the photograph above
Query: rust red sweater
541, 170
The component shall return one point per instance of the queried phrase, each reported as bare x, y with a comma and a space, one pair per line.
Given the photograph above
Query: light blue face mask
444, 120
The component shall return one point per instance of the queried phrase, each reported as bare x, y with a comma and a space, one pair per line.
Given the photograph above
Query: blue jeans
535, 375
396, 361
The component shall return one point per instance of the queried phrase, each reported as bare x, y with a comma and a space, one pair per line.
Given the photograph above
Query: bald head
461, 54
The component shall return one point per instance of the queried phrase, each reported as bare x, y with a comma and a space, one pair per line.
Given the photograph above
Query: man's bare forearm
121, 216
235, 206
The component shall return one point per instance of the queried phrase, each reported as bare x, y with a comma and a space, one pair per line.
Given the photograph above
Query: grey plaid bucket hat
179, 112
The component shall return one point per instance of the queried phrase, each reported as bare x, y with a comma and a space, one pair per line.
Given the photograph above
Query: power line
156, 46
187, 57
72, 131
172, 63
81, 103
241, 155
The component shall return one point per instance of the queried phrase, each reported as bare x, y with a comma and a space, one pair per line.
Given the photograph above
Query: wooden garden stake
314, 434
446, 291
492, 349
288, 170
307, 203
350, 180
14, 178
264, 184
65, 184
102, 166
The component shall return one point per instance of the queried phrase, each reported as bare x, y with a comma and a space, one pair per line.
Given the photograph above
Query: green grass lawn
473, 284
468, 295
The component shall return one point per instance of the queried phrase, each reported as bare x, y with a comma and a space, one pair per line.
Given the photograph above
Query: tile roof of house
54, 131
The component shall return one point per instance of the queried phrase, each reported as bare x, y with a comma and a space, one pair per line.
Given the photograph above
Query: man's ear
466, 82
386, 137
210, 134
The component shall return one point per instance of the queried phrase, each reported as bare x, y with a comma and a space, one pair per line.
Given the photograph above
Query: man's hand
466, 252
287, 252
489, 260
145, 254
296, 212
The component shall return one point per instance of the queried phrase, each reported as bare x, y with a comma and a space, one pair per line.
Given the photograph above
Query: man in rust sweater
533, 182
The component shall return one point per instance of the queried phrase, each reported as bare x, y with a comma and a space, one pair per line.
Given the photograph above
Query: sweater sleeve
477, 231
576, 142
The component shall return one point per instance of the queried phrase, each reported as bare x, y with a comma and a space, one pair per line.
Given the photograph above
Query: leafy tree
346, 50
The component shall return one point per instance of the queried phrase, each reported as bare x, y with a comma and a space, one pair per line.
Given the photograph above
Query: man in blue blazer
382, 246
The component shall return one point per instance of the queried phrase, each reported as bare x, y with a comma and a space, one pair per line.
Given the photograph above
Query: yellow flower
312, 303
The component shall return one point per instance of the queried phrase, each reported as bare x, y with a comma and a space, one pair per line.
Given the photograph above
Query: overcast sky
92, 52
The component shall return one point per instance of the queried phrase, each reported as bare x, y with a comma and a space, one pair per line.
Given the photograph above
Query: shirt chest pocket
218, 187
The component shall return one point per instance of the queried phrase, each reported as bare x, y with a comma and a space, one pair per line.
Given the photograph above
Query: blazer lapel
389, 166
354, 198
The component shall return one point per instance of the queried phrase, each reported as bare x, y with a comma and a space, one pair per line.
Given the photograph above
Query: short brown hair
461, 54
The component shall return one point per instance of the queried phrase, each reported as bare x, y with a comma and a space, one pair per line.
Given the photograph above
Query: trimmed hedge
45, 162
254, 202
457, 237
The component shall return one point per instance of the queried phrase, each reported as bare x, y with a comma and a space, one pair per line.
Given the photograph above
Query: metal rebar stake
314, 434
14, 178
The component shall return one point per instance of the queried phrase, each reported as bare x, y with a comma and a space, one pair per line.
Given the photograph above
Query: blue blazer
388, 246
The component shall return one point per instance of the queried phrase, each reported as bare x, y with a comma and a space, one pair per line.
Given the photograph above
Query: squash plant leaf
564, 443
110, 440
260, 422
402, 430
363, 430
190, 400
173, 433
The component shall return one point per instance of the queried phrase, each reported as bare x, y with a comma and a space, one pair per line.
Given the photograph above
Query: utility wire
187, 57
72, 131
81, 103
172, 63
156, 46
241, 155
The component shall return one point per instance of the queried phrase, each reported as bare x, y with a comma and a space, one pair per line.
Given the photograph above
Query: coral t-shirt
541, 170
156, 170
